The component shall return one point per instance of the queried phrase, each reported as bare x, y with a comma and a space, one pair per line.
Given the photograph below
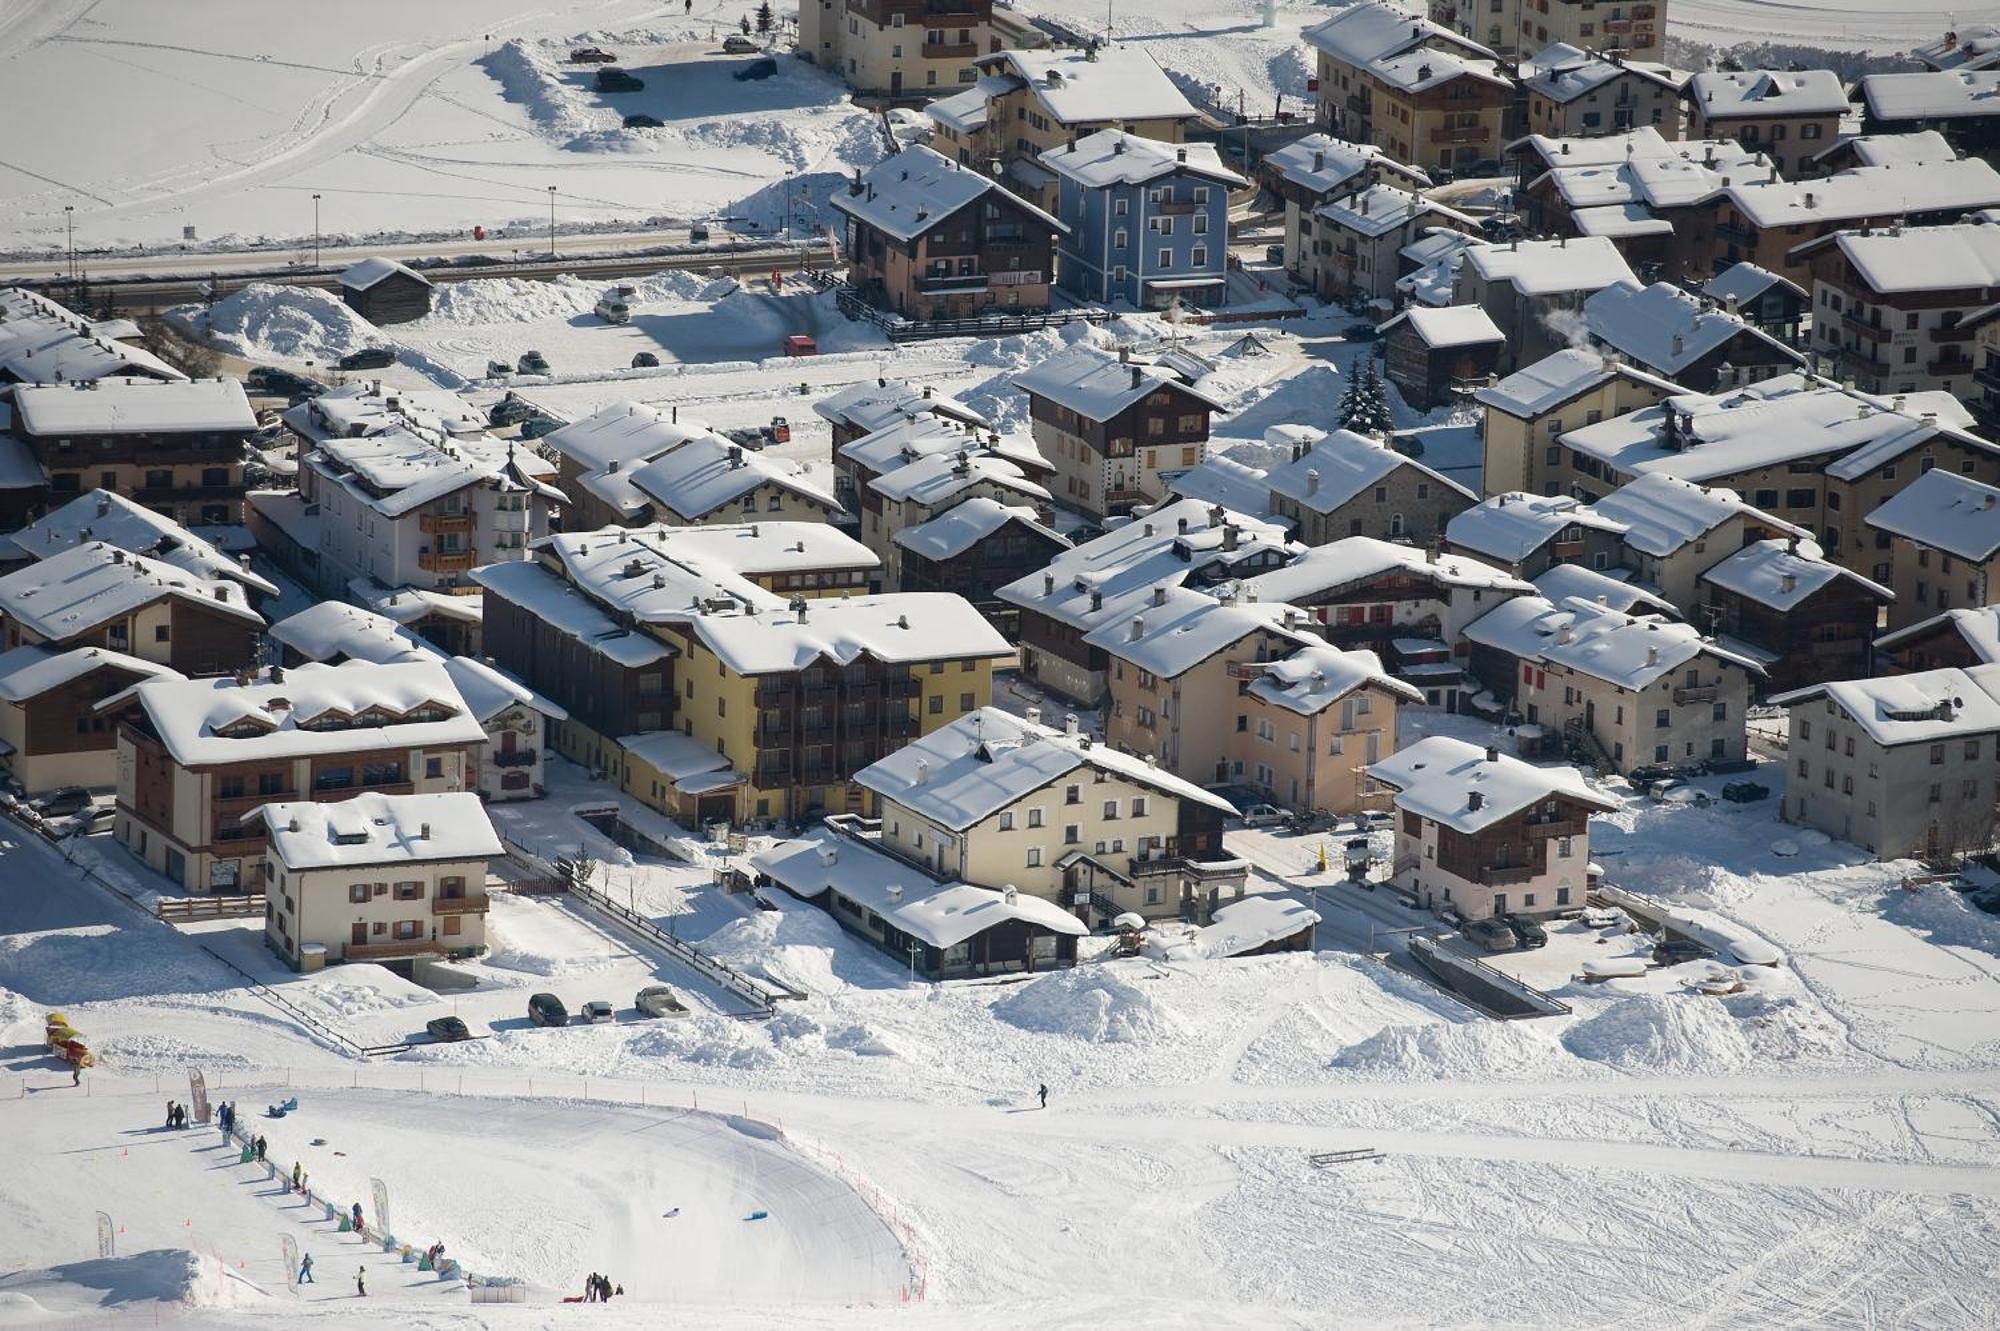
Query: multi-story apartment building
1525, 415
43, 342
1768, 221
109, 518
932, 486
1112, 425
1357, 240
1676, 335
1515, 27
1311, 723
712, 697
864, 408
196, 757
1775, 304
1627, 690
1961, 637
1789, 114
1943, 534
996, 799
1673, 531
97, 595
974, 549
1529, 287
1146, 222
1340, 484
1312, 170
1901, 766
898, 48
175, 446
1414, 88
1104, 581
50, 730
1957, 106
1582, 93
1890, 306
384, 878
860, 461
1804, 619
1527, 535
1480, 834
930, 239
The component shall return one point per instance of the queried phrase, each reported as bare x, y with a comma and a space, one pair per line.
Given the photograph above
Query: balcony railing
518, 758
954, 282
950, 50
400, 948
1501, 876
1359, 103
1697, 693
1462, 134
1987, 377
1549, 828
445, 561
1737, 233
461, 905
438, 523
1174, 207
1949, 366
1956, 333
1874, 332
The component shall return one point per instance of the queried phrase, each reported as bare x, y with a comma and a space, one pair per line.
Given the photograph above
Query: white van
613, 309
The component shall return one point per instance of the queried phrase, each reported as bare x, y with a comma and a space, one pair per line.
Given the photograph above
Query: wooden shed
383, 291
1428, 353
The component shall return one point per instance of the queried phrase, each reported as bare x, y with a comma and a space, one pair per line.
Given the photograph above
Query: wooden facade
979, 571
396, 298
992, 253
1828, 635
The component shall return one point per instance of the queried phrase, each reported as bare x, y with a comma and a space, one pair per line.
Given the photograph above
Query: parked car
271, 381
1987, 899
736, 44
64, 803
592, 55
657, 1000
1493, 935
645, 360
613, 309
536, 426
698, 234
1263, 815
644, 121
1745, 792
613, 79
498, 369
368, 358
1528, 932
532, 362
757, 70
1674, 951
1602, 917
597, 1010
547, 1010
509, 410
447, 1029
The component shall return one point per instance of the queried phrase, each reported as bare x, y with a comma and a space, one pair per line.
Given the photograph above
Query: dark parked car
536, 426
645, 360
64, 803
547, 1010
592, 55
1987, 899
509, 410
368, 358
533, 362
1674, 951
613, 79
498, 369
447, 1029
757, 69
271, 381
644, 121
1527, 932
1493, 935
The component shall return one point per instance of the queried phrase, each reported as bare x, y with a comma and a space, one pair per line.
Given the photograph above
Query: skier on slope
1043, 1091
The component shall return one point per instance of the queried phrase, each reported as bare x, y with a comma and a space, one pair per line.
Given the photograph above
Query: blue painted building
1147, 221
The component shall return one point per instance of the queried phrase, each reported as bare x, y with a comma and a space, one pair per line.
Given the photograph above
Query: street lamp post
315, 230
552, 221
69, 224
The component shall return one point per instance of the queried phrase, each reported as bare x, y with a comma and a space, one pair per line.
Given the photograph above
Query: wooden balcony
396, 950
434, 524
1547, 829
461, 905
1872, 331
950, 50
1461, 134
1174, 207
1700, 693
446, 561
1494, 876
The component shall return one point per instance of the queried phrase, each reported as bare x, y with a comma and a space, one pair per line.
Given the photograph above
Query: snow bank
799, 946
498, 300
91, 1288
265, 321
1784, 1028
1662, 1033
703, 1040
530, 78
801, 1034
1446, 1050
1089, 1004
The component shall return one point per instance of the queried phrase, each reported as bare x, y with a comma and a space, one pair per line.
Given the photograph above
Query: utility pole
552, 221
315, 230
69, 224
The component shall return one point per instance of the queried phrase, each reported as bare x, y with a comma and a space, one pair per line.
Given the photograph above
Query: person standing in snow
170, 1113
306, 1271
296, 1177
76, 1075
260, 1147
360, 1282
1043, 1091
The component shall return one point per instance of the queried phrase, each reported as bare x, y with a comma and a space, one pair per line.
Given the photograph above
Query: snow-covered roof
1612, 588
1911, 149
29, 671
905, 441
708, 473
1945, 511
1767, 92
1251, 922
398, 470
1563, 73
1178, 628
1430, 67
306, 712
413, 605
1511, 526
1551, 267
1665, 328
1771, 423
871, 406
1098, 385
1961, 94
693, 767
1113, 157
1448, 326
1923, 258
1631, 651
1639, 167
966, 111
332, 629
87, 586
916, 189
1620, 221
42, 342
1745, 282
1919, 708
1467, 788
1364, 33
621, 434
896, 627
1320, 163
363, 275
966, 772
1661, 514
935, 478
1221, 479
569, 612
1549, 382
1869, 191
1380, 207
109, 517
1355, 559
1315, 677
1781, 574
1978, 626
1106, 578
376, 829
1966, 46
965, 525
1338, 466
130, 405
1083, 88
942, 914
370, 406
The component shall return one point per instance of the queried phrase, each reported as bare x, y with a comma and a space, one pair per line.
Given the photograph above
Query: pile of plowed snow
265, 321
1487, 1050
1663, 1033
93, 1289
1092, 1005
498, 300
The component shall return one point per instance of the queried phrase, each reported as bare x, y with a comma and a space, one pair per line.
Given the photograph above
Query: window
1139, 806
964, 702
935, 706
409, 891
1034, 857
1564, 847
1034, 817
1072, 794
1110, 809
1119, 208
1199, 258
1007, 821
1937, 755
1166, 258
357, 893
1072, 834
